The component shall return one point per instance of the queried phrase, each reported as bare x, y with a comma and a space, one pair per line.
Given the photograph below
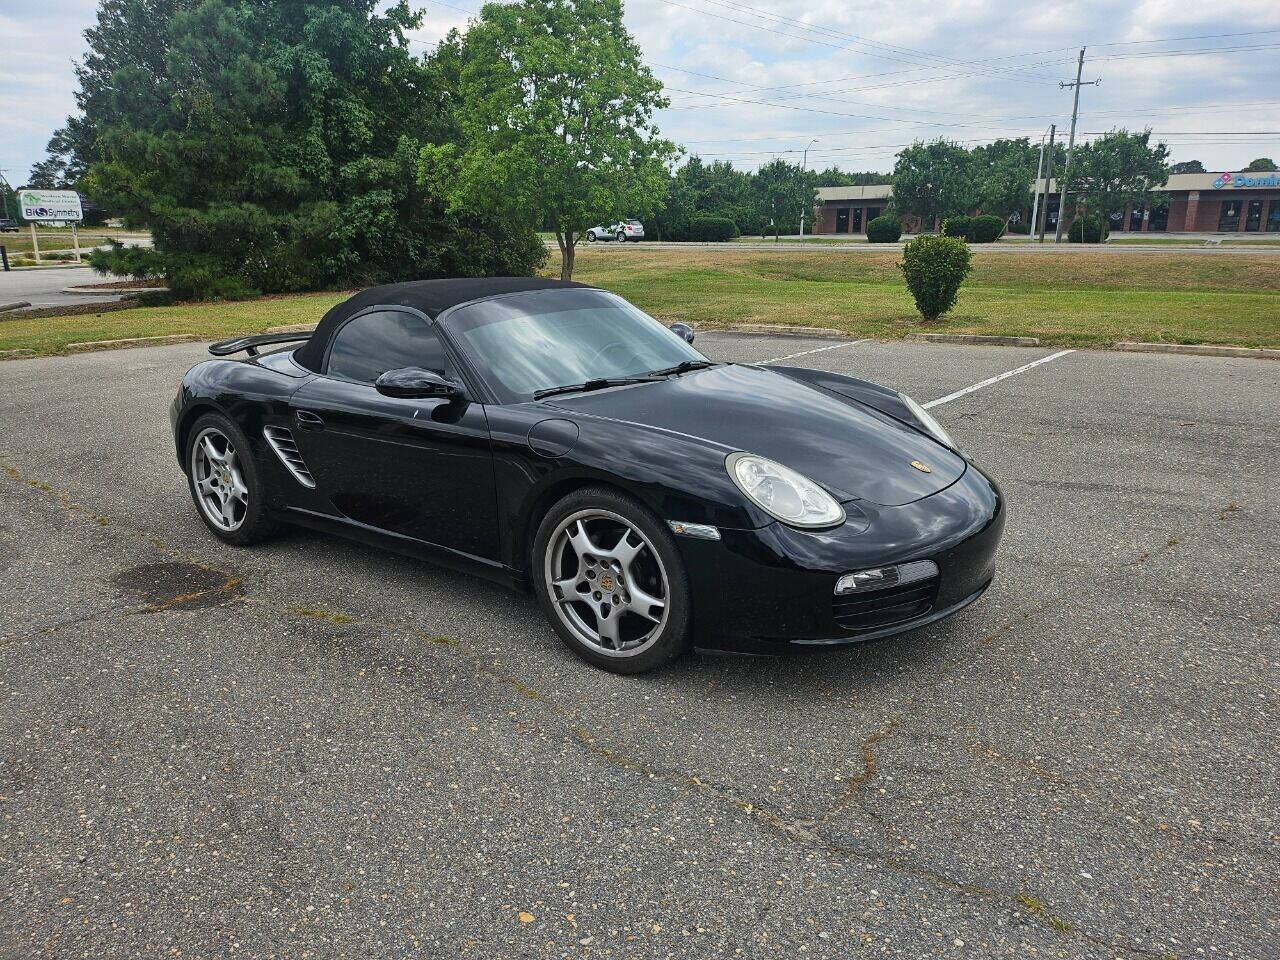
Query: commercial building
1225, 202
848, 209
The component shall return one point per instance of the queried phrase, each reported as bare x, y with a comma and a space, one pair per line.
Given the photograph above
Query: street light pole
804, 165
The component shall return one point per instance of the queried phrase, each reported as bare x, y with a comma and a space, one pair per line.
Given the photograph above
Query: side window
370, 345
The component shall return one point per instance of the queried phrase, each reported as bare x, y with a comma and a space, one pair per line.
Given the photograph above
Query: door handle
308, 420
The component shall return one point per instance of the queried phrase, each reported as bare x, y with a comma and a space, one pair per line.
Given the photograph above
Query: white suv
624, 230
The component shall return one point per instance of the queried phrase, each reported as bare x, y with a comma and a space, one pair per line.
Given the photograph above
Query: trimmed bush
961, 226
1020, 226
986, 228
712, 229
1088, 229
934, 267
884, 230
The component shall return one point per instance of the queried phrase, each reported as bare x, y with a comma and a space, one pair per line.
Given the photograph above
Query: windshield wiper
684, 366
599, 383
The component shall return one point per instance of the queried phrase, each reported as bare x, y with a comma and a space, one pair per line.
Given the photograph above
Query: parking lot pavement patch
165, 586
1198, 349
981, 339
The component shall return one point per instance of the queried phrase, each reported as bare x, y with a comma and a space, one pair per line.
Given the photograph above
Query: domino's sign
1244, 180
44, 206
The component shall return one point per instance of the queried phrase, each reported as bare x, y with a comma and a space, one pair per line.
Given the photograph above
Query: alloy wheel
607, 583
220, 488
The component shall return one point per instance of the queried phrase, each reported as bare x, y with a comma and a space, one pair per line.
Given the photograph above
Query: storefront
850, 209
1193, 203
1202, 203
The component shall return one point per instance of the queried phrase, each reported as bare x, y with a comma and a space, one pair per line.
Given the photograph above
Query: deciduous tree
1119, 168
933, 181
555, 113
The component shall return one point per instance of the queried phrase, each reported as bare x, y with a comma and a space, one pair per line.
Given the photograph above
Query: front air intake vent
282, 442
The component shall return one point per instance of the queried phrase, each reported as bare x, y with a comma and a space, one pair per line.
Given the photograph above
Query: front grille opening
886, 607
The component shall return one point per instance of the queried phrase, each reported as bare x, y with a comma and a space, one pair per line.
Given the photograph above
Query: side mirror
413, 383
683, 331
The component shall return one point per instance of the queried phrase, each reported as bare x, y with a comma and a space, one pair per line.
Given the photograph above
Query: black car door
420, 468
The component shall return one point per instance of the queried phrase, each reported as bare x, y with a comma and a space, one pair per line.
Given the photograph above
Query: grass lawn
1085, 299
51, 239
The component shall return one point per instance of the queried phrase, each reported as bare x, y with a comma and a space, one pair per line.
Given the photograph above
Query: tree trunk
566, 258
566, 240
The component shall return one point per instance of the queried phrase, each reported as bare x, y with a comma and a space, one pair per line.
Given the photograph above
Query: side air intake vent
286, 449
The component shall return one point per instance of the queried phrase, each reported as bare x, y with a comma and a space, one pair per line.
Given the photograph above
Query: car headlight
926, 419
782, 493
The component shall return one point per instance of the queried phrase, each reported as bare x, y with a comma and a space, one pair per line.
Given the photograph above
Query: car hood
856, 452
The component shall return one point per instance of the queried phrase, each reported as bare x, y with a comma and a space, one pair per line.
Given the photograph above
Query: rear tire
225, 482
591, 236
610, 579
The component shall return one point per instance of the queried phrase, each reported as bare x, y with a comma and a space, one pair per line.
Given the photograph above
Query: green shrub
712, 229
934, 268
884, 229
1087, 229
986, 228
138, 263
960, 226
1019, 226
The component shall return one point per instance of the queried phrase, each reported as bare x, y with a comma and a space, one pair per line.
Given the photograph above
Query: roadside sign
43, 206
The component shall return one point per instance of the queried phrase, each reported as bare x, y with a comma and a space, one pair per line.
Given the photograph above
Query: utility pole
1071, 141
804, 165
1048, 181
1035, 206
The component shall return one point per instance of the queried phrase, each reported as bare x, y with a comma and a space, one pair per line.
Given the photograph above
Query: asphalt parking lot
315, 749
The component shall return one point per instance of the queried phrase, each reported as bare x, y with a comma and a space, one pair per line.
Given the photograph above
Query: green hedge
712, 229
959, 226
934, 267
884, 230
986, 228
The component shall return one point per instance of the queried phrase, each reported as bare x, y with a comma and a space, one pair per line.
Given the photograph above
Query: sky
749, 80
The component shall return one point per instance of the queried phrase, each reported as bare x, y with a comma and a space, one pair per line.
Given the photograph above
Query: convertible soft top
432, 297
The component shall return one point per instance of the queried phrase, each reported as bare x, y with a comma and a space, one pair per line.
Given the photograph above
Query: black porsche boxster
550, 434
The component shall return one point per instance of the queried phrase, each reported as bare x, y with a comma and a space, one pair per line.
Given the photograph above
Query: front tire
611, 581
591, 236
225, 482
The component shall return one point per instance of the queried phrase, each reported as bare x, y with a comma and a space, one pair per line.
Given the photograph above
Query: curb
992, 341
784, 330
15, 305
108, 292
292, 328
1198, 349
16, 354
90, 345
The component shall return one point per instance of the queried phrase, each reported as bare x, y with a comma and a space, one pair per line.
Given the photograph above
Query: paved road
331, 751
43, 287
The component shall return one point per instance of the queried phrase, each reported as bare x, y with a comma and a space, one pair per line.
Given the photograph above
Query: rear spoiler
224, 348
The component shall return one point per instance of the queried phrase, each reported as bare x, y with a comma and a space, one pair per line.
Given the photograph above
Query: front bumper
773, 589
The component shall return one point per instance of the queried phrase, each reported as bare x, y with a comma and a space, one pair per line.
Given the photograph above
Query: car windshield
553, 338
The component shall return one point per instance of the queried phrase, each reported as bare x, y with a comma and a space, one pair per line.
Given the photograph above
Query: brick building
1198, 203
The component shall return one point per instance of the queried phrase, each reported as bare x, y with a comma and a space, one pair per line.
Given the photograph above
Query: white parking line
986, 383
803, 353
